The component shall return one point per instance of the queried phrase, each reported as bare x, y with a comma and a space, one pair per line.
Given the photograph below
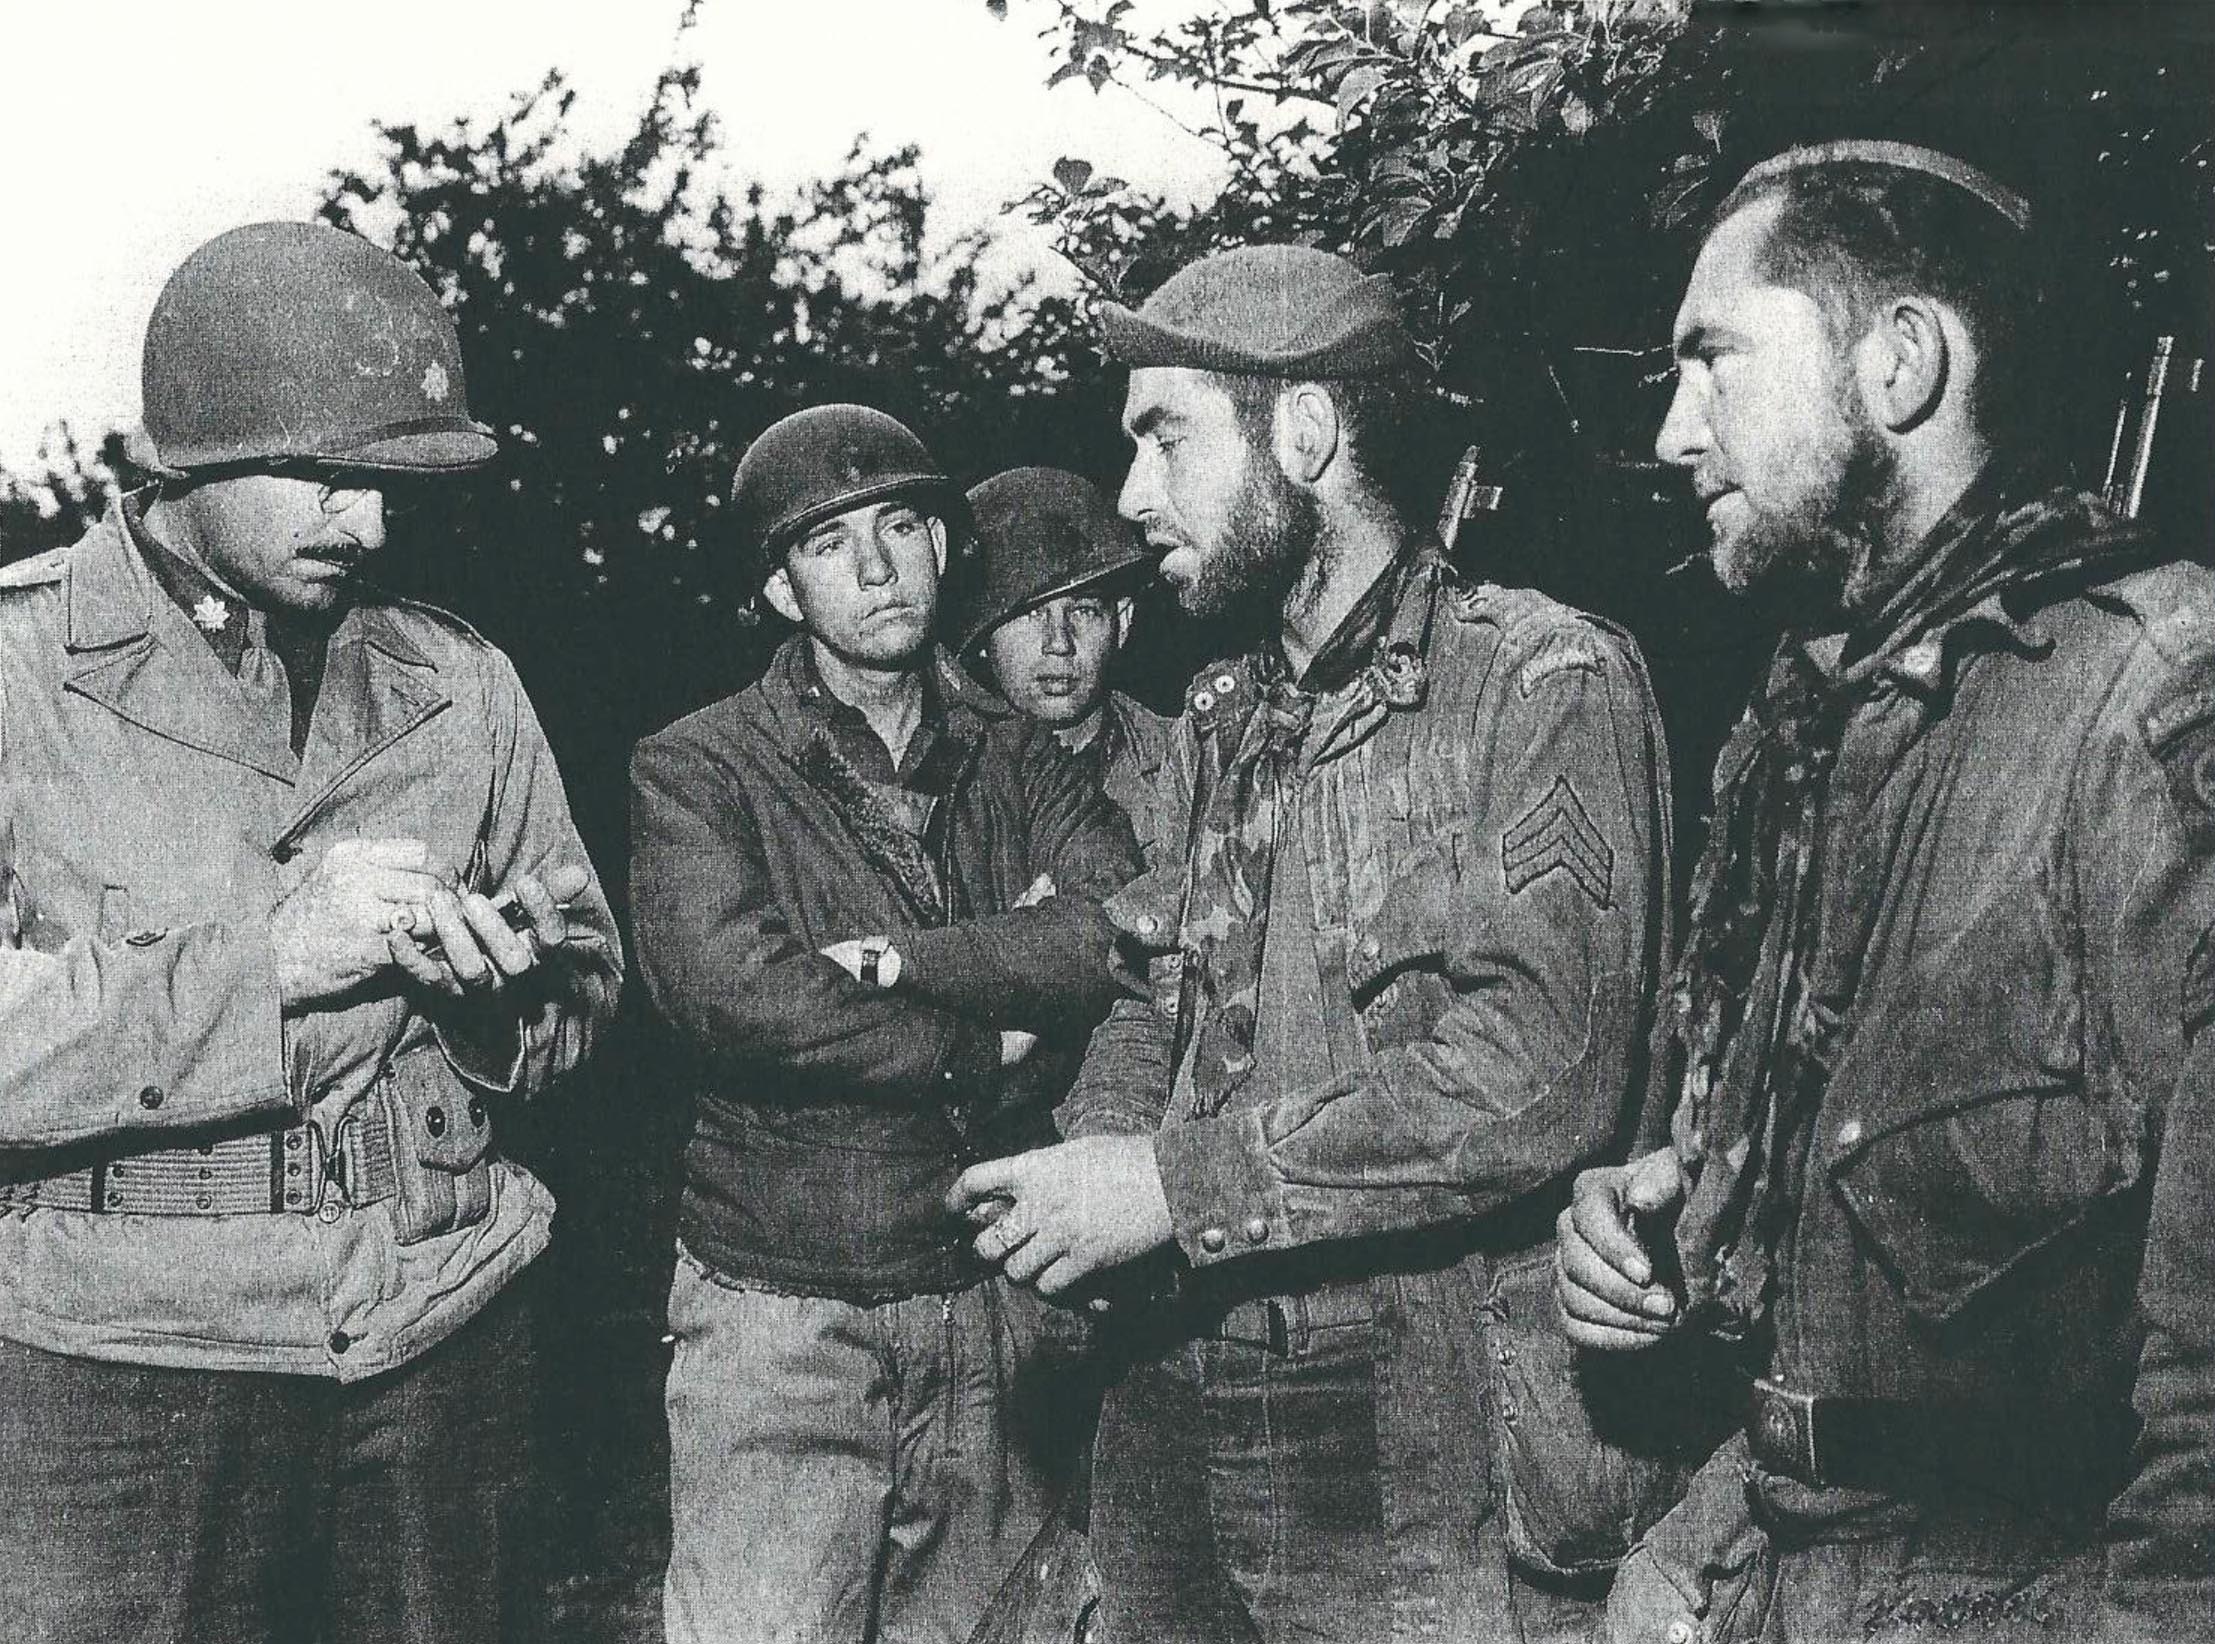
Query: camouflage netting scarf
1233, 858
1763, 993
1352, 681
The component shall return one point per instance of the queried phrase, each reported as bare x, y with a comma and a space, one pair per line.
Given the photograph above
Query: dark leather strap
2012, 1446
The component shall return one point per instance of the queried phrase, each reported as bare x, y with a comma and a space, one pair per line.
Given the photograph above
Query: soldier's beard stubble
1266, 549
1823, 552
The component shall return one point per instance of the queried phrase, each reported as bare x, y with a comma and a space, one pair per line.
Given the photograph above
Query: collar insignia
211, 614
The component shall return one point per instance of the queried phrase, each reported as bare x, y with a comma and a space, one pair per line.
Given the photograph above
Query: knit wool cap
1930, 162
1268, 311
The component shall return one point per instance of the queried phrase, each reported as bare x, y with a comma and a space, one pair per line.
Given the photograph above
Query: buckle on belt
1781, 1430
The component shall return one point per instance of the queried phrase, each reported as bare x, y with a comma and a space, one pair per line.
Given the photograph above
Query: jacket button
1257, 1230
1224, 682
1212, 1240
340, 1341
1371, 948
283, 851
434, 1120
150, 1097
329, 1212
1680, 1632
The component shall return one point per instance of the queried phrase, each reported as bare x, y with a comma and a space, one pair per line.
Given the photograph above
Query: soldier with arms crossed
863, 889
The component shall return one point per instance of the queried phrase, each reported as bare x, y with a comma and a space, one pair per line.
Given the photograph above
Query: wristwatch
880, 962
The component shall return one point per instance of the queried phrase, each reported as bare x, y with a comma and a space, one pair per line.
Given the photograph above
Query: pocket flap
444, 1124
1955, 1200
1415, 923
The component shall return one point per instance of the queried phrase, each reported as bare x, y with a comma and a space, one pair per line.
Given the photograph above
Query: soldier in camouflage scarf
1403, 964
1940, 1168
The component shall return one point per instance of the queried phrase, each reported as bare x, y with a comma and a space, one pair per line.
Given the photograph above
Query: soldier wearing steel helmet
863, 887
261, 1009
1049, 612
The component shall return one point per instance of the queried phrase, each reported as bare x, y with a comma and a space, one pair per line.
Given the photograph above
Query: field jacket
2004, 1185
152, 814
1133, 741
1485, 853
832, 1116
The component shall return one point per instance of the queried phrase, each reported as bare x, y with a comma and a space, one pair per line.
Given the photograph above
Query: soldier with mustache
265, 1371
1938, 1043
1407, 936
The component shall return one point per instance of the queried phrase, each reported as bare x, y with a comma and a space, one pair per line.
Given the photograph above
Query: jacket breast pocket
441, 1139
1396, 958
1954, 1201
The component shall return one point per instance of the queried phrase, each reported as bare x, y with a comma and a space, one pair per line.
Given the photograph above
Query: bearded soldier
1938, 1041
1406, 957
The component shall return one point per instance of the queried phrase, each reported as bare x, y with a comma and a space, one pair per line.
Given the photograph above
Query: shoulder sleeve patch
1565, 651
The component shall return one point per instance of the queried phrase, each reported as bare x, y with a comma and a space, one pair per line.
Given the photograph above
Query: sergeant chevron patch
1558, 832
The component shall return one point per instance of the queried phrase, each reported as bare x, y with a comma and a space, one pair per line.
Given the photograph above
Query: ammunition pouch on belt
440, 1138
420, 1138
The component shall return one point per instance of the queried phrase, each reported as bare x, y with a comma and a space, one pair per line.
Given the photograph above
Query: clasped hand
1058, 1215
372, 905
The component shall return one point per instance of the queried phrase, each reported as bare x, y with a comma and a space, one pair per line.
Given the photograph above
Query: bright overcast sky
130, 132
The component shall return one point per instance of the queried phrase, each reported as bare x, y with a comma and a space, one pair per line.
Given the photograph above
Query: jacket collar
801, 709
1378, 662
134, 652
1121, 720
2003, 555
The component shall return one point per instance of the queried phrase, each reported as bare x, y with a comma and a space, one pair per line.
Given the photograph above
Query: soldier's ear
778, 591
1906, 361
1307, 432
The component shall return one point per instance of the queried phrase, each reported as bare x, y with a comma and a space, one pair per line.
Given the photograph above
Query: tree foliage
1532, 172
630, 324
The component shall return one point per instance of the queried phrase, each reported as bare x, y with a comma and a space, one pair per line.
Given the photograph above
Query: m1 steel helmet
1041, 533
288, 342
815, 465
